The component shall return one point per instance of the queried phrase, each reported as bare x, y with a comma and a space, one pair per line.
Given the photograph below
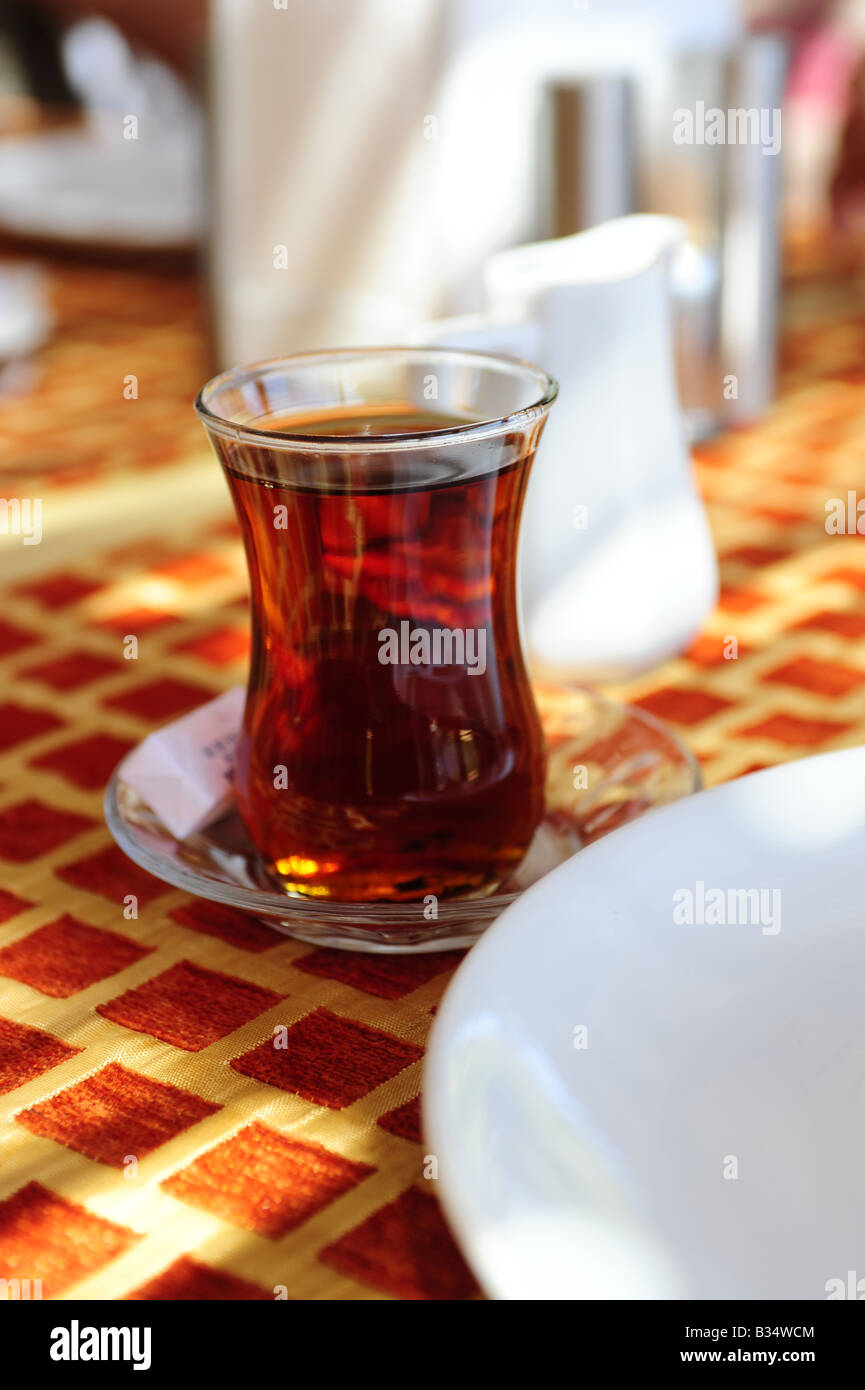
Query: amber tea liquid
367, 768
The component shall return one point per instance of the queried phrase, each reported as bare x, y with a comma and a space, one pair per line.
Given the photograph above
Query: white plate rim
467, 981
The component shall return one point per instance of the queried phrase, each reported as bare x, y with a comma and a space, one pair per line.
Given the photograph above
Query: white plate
709, 1140
81, 187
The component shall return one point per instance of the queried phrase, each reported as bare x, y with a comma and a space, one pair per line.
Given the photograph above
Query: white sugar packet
185, 770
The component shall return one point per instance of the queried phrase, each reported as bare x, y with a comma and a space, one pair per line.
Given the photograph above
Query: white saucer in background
91, 187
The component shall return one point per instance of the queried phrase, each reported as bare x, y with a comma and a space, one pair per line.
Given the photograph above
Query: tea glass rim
373, 443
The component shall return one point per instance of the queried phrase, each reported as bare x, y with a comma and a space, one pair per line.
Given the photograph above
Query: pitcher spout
612, 252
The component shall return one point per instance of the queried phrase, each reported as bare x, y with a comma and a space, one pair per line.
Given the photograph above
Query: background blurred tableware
126, 172
751, 237
84, 187
618, 565
607, 764
333, 229
26, 317
91, 187
489, 125
726, 276
726, 273
623, 1106
592, 151
686, 181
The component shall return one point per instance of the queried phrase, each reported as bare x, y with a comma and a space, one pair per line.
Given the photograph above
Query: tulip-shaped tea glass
391, 750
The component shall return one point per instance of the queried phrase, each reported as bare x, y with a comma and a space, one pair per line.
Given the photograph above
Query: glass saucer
608, 764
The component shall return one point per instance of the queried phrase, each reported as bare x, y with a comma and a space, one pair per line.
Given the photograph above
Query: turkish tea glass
391, 750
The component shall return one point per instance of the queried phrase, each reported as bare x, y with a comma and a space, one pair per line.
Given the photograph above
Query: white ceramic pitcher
618, 569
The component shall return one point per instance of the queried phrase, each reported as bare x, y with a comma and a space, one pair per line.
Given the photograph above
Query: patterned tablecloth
153, 1143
